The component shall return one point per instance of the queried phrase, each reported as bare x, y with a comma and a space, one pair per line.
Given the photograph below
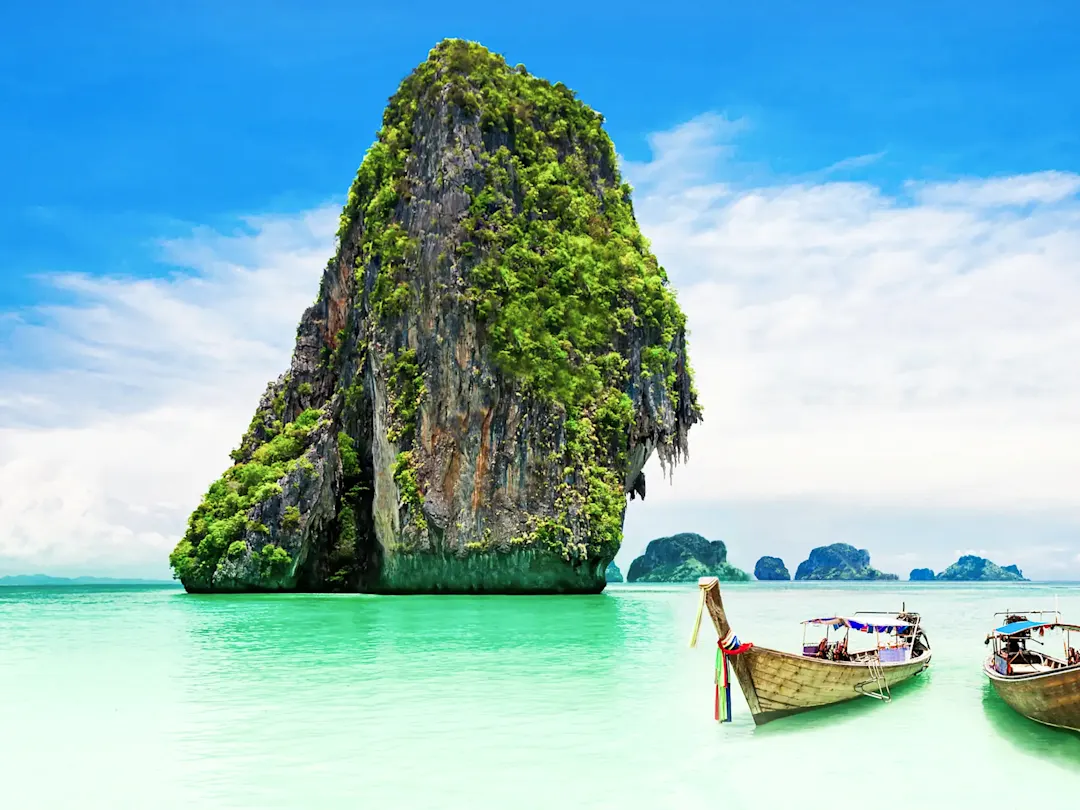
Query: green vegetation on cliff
558, 271
217, 525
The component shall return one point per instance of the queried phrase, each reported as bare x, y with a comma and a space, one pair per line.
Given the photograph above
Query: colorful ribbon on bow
729, 645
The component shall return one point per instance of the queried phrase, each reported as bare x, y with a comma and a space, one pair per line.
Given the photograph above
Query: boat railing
914, 635
1028, 613
895, 648
903, 650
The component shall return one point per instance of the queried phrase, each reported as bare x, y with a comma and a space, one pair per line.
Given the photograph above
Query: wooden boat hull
781, 683
1050, 698
777, 684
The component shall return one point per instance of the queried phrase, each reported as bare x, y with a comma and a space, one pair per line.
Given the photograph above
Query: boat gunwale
994, 675
889, 665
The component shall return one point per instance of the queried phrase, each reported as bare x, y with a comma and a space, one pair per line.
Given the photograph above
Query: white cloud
852, 345
146, 386
1039, 187
686, 155
857, 162
905, 352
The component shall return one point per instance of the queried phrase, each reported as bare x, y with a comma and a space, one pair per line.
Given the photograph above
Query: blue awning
1019, 627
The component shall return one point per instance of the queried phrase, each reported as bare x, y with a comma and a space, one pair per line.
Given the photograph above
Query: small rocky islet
771, 569
839, 561
971, 568
493, 355
684, 557
687, 556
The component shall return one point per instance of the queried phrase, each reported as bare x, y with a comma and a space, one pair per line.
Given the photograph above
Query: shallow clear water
150, 698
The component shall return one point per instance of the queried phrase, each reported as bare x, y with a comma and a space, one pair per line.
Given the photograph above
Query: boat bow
727, 641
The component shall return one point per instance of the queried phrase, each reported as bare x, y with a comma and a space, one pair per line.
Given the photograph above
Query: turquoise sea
151, 698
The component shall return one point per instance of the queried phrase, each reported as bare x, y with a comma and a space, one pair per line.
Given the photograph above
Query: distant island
840, 561
771, 568
613, 574
970, 568
684, 558
23, 580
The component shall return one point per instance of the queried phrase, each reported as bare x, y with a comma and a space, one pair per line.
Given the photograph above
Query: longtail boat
777, 684
1041, 684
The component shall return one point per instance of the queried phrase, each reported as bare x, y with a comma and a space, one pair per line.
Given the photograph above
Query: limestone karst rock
839, 561
684, 557
971, 568
493, 355
771, 568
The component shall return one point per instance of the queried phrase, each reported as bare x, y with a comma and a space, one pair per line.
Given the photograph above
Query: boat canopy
879, 625
1020, 627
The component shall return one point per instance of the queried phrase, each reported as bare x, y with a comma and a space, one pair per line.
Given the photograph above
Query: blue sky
130, 119
870, 211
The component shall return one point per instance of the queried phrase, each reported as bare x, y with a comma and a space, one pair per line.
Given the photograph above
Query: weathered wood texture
1051, 698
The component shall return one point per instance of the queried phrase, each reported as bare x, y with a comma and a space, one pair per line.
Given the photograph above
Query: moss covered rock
613, 574
684, 558
839, 561
493, 355
921, 575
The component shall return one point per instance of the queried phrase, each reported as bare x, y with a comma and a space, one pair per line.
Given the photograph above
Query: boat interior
1014, 655
896, 638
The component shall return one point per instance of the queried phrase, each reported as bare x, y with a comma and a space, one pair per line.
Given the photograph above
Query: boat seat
1027, 669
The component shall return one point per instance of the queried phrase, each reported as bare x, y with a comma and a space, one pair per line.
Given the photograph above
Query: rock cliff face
970, 568
493, 355
684, 558
771, 568
921, 575
839, 561
613, 574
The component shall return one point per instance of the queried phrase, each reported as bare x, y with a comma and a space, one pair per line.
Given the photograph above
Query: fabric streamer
716, 681
729, 645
